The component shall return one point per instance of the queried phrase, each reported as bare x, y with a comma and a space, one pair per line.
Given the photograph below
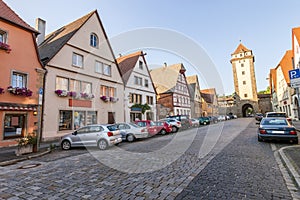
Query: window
242, 65
77, 60
65, 120
245, 95
106, 69
241, 55
135, 98
3, 36
146, 83
75, 85
91, 117
14, 125
138, 80
99, 67
141, 64
108, 91
19, 80
62, 83
86, 87
94, 40
149, 100
244, 82
79, 119
243, 72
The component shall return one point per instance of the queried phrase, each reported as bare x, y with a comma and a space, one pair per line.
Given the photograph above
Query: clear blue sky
216, 25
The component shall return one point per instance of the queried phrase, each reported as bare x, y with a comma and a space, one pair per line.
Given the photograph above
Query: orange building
21, 79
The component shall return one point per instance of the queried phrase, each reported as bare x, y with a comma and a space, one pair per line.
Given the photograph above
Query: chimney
40, 26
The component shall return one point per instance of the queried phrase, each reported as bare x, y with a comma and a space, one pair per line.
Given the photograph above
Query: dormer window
94, 40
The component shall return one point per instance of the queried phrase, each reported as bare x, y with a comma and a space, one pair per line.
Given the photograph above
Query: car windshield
274, 122
112, 128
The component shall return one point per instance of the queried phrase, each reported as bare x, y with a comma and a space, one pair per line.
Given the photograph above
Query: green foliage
267, 91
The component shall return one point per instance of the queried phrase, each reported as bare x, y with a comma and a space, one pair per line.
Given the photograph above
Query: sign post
295, 83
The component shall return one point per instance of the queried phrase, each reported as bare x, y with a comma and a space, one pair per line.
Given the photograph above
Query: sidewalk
8, 156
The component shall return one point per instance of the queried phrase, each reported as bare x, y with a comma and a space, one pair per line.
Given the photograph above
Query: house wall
131, 87
22, 58
61, 65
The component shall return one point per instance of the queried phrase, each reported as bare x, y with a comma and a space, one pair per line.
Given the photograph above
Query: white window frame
98, 67
106, 69
3, 36
77, 60
94, 40
21, 79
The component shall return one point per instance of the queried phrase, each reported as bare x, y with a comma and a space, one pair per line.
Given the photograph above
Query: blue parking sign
295, 73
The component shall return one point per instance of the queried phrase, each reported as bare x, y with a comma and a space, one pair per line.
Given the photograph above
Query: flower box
61, 93
104, 98
113, 99
19, 91
1, 90
24, 150
5, 47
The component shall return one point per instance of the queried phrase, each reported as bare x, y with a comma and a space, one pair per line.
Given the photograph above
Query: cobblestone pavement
245, 169
157, 168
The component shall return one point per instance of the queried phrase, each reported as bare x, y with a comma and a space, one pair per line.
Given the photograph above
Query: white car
195, 122
176, 125
101, 135
131, 131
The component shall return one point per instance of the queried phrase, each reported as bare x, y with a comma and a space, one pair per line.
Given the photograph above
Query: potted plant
27, 144
113, 99
61, 93
1, 90
104, 98
19, 91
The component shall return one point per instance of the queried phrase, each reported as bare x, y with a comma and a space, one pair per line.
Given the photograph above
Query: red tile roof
286, 64
8, 14
240, 48
127, 64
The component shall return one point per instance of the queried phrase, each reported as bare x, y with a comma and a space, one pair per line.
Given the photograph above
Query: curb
291, 169
14, 161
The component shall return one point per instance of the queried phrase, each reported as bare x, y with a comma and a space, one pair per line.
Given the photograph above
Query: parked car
278, 114
164, 127
176, 125
213, 119
275, 128
195, 122
259, 116
101, 135
221, 118
184, 119
131, 131
150, 125
204, 121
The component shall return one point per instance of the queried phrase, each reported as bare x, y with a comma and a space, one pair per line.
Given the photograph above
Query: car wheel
174, 129
163, 131
130, 138
259, 139
66, 145
102, 144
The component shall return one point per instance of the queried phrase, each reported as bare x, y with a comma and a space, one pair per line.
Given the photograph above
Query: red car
164, 127
152, 128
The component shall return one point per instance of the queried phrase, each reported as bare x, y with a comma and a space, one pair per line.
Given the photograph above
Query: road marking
273, 147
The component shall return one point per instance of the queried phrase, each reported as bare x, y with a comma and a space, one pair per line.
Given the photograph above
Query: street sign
294, 78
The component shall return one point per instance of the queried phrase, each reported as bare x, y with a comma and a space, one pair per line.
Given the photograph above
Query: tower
242, 60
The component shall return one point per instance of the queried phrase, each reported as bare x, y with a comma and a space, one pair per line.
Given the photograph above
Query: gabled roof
296, 32
286, 65
192, 79
127, 64
57, 39
241, 48
208, 95
6, 13
165, 78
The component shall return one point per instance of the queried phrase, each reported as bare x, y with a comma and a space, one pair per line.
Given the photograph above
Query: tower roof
241, 48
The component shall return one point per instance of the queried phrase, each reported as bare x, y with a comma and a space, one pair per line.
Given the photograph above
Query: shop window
79, 119
91, 117
14, 125
111, 118
65, 120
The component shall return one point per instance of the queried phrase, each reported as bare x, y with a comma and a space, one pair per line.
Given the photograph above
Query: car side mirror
74, 133
257, 123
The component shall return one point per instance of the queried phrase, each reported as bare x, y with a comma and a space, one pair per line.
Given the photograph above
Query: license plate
278, 132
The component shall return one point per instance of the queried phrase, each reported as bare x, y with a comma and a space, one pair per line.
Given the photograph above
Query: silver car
101, 135
131, 131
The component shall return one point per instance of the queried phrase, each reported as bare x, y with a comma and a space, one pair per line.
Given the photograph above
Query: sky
200, 34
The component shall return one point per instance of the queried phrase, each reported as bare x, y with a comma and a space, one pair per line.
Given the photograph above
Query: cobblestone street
221, 161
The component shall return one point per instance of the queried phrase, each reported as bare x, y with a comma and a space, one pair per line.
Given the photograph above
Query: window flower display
5, 47
113, 99
104, 98
20, 91
61, 93
1, 90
